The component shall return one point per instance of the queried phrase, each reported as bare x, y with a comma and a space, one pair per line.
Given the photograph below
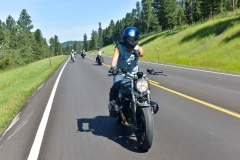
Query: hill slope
214, 44
64, 44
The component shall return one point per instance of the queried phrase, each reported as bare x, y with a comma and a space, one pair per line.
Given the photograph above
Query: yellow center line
154, 82
94, 60
200, 101
189, 97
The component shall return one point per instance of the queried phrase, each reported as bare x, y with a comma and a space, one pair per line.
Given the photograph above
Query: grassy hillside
17, 85
64, 44
214, 44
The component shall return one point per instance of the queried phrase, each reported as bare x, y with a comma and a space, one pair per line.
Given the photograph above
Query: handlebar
122, 72
125, 71
152, 72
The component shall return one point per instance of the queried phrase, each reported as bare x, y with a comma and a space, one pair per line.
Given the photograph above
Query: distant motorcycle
83, 55
73, 57
133, 107
99, 59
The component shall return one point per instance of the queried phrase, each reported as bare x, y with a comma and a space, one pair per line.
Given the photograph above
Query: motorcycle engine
126, 87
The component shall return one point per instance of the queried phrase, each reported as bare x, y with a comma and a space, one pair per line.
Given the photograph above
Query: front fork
133, 104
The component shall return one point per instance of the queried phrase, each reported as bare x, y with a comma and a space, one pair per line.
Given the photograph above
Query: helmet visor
131, 40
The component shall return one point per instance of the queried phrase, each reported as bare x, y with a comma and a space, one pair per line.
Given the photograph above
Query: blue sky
68, 19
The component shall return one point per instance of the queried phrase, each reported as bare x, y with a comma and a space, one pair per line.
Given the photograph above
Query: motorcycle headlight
142, 85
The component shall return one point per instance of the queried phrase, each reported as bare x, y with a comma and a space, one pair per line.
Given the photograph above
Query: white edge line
227, 74
234, 75
34, 152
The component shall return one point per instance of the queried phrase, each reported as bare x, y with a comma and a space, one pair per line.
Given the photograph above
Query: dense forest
19, 46
152, 16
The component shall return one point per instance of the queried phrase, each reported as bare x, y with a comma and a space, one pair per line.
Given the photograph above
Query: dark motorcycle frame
134, 108
73, 57
83, 55
100, 59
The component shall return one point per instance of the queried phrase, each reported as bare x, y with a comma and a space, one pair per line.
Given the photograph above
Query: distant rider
99, 53
83, 51
73, 55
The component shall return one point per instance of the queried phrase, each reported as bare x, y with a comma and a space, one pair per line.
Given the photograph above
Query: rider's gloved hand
135, 51
112, 70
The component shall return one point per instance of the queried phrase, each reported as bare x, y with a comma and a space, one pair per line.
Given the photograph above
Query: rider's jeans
116, 83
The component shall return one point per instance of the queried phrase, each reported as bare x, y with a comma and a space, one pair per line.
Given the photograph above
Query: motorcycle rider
125, 55
83, 51
73, 54
99, 53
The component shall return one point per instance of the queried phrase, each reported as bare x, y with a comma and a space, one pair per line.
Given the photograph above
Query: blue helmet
130, 32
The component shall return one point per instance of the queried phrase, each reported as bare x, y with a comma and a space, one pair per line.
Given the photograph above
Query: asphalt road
199, 117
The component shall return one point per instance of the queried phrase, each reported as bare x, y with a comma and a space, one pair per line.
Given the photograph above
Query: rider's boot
154, 106
112, 105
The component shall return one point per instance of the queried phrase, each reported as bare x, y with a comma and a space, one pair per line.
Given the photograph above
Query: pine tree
181, 18
117, 34
13, 38
51, 42
138, 18
108, 34
100, 35
147, 14
2, 35
168, 14
75, 46
129, 19
197, 15
25, 39
85, 42
206, 9
10, 23
57, 46
93, 41
24, 20
79, 48
189, 11
38, 48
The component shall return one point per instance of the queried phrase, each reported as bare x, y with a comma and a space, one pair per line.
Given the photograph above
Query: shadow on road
109, 127
95, 64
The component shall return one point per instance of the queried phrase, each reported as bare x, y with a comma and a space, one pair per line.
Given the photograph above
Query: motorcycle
83, 55
73, 57
133, 106
100, 59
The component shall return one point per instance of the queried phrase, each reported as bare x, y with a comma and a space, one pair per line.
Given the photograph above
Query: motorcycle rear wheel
144, 133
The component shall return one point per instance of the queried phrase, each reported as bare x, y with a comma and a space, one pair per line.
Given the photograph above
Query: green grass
17, 85
214, 45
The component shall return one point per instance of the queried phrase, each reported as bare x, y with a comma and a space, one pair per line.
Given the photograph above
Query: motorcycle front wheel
144, 133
